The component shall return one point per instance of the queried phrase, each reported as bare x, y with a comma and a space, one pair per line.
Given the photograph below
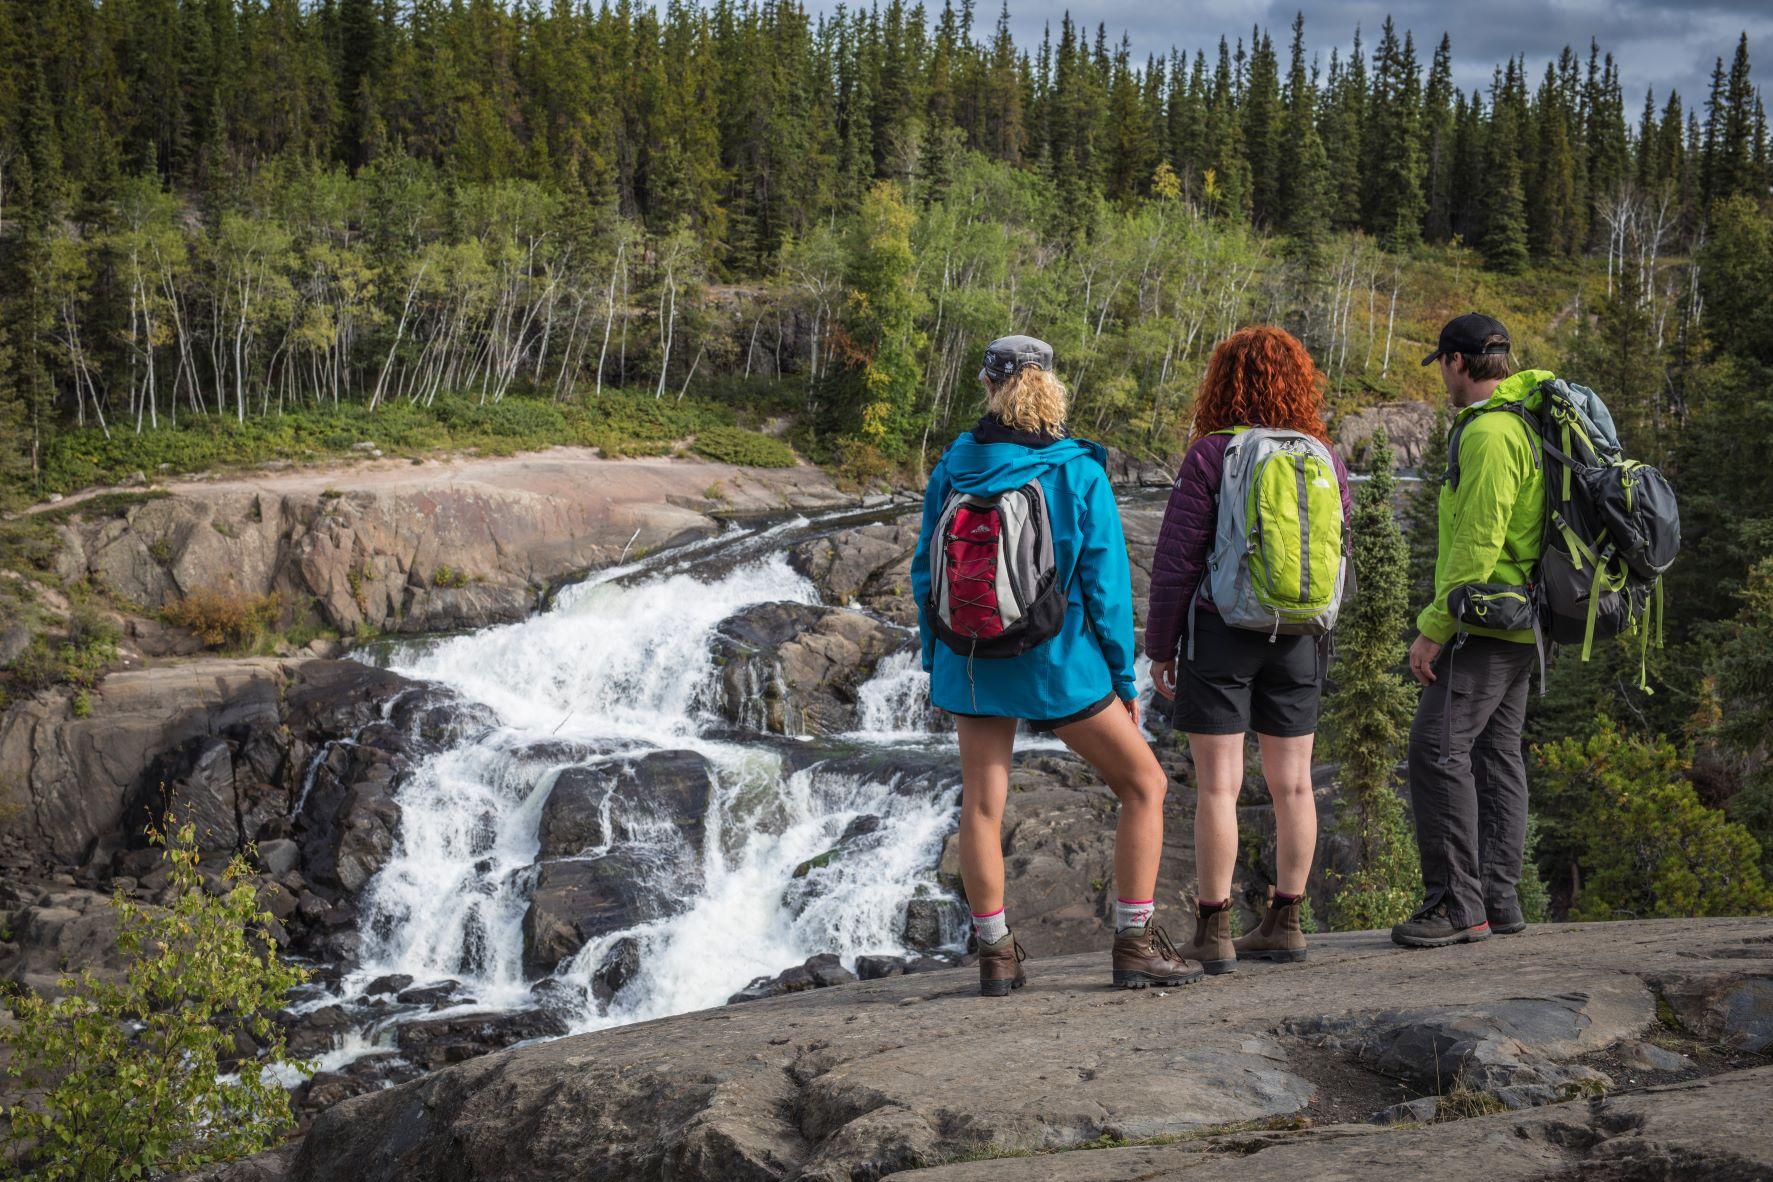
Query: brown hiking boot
1000, 967
1212, 942
1279, 938
1144, 956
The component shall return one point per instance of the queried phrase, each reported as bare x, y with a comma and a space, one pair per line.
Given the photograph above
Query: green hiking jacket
1491, 526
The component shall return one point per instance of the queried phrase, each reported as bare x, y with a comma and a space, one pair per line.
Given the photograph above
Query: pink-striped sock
1132, 913
991, 928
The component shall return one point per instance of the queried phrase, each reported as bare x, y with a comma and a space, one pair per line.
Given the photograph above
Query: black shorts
1045, 725
1240, 680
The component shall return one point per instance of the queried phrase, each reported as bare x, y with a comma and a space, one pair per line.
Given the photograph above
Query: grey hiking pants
1470, 799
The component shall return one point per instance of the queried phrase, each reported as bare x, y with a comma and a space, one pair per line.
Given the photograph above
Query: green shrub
1643, 844
735, 445
125, 1078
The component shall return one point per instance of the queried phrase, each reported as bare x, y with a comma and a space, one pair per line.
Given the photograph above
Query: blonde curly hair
1031, 399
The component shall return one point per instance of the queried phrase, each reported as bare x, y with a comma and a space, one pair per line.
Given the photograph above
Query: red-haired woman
1238, 680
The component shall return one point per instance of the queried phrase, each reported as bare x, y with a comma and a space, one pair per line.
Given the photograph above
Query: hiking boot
1000, 967
1144, 956
1432, 929
1279, 938
1212, 945
1507, 927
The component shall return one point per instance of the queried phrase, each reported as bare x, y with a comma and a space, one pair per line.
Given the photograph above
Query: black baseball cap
1470, 333
1006, 355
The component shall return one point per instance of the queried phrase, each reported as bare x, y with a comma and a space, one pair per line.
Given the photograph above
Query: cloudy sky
1658, 43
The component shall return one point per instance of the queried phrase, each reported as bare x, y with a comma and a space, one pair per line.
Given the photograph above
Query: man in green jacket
1468, 775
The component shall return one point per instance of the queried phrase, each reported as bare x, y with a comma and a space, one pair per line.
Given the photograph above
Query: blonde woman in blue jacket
1076, 682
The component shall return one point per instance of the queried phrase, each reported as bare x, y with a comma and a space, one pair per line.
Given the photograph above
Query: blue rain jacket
1093, 651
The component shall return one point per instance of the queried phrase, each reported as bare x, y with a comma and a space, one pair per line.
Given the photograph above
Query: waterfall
792, 855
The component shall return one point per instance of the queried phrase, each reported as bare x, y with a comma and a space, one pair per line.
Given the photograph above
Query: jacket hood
986, 469
1513, 388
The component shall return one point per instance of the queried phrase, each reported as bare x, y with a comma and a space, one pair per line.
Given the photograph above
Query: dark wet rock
1516, 1049
1733, 1008
391, 983
932, 921
818, 972
452, 1038
616, 969
875, 968
635, 793
367, 1074
428, 994
865, 564
796, 668
578, 899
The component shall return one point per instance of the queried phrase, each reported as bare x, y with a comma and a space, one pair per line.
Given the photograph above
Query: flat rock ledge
918, 1073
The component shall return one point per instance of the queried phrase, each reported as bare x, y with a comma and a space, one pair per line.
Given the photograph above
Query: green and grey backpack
1612, 526
1280, 558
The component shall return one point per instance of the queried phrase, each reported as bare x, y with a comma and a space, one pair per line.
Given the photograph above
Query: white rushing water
617, 666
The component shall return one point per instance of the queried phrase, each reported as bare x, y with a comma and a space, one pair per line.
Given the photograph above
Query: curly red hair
1261, 376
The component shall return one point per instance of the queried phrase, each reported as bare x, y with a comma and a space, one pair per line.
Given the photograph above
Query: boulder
66, 931
72, 777
430, 1043
817, 972
869, 565
616, 969
795, 668
577, 899
635, 794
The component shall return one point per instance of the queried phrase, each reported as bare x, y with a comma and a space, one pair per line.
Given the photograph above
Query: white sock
991, 928
1129, 913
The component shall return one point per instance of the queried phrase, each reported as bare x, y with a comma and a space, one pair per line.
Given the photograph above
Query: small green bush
750, 449
125, 1079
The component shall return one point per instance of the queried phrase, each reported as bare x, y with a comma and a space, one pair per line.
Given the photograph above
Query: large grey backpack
1279, 559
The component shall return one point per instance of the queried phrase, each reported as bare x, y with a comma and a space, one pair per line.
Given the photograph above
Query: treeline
754, 121
218, 209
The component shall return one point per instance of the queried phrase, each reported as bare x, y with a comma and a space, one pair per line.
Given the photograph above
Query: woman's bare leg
986, 745
1286, 766
1111, 741
1219, 773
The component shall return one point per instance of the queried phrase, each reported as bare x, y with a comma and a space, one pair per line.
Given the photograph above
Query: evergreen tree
1438, 129
883, 377
1503, 224
1394, 204
1262, 121
1304, 190
1367, 714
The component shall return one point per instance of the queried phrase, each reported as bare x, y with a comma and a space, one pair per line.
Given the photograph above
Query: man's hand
1163, 678
1423, 651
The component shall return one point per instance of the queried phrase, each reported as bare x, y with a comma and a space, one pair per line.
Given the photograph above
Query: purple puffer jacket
1179, 566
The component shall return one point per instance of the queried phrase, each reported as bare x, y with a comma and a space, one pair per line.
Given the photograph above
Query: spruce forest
241, 230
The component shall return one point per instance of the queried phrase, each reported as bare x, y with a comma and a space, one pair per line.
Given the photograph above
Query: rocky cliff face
417, 548
882, 1077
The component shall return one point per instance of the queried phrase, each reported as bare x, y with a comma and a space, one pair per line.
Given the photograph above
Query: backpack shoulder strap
1518, 410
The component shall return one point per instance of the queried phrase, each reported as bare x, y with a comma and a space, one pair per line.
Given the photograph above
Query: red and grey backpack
994, 590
